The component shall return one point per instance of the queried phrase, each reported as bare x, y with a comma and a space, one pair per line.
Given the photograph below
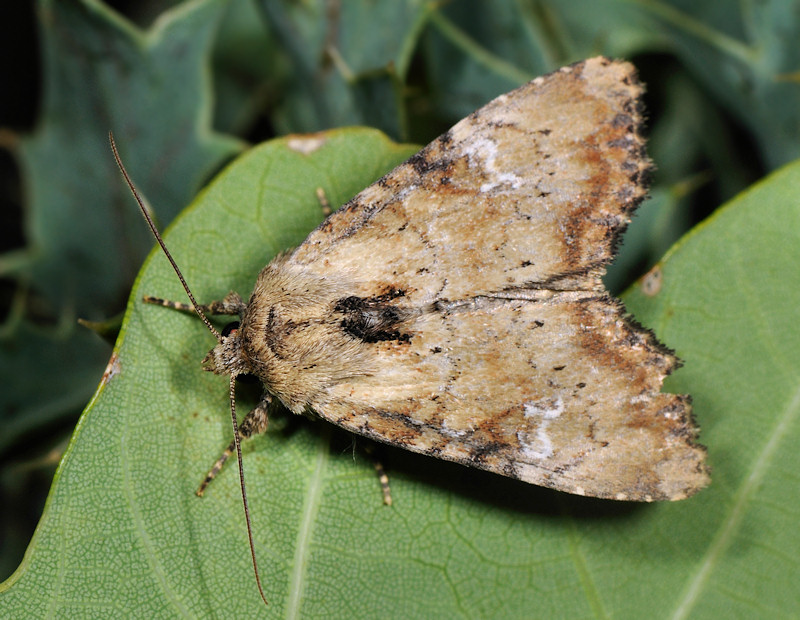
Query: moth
455, 307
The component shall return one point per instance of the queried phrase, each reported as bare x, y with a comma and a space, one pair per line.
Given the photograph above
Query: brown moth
455, 307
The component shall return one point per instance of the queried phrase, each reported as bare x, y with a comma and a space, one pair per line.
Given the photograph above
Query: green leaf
137, 455
347, 61
84, 244
148, 88
475, 54
40, 384
123, 533
747, 56
728, 303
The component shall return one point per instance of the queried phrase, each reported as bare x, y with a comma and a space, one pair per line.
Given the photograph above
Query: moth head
226, 357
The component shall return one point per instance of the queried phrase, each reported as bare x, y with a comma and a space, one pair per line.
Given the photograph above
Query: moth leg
254, 423
382, 477
232, 304
323, 202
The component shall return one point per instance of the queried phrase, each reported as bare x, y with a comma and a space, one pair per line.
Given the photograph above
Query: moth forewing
469, 302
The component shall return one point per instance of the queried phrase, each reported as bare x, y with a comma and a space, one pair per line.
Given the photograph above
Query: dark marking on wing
373, 319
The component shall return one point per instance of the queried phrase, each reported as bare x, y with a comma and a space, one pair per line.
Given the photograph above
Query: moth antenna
232, 389
157, 235
238, 441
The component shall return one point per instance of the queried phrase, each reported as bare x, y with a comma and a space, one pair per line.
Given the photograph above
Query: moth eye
230, 328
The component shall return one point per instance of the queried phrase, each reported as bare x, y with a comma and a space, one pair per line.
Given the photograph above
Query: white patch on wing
452, 432
486, 150
538, 445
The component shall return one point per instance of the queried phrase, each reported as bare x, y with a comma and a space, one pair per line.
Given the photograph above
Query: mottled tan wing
529, 191
554, 389
496, 346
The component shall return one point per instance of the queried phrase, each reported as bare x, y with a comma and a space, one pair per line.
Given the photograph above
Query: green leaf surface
124, 535
728, 303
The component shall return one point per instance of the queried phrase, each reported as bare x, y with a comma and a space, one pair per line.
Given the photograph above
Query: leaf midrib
297, 579
742, 499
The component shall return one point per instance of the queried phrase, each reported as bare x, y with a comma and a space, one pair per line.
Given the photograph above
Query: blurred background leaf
186, 85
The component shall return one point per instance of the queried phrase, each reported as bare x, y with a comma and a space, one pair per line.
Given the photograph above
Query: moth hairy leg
324, 202
231, 304
384, 481
383, 478
254, 423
